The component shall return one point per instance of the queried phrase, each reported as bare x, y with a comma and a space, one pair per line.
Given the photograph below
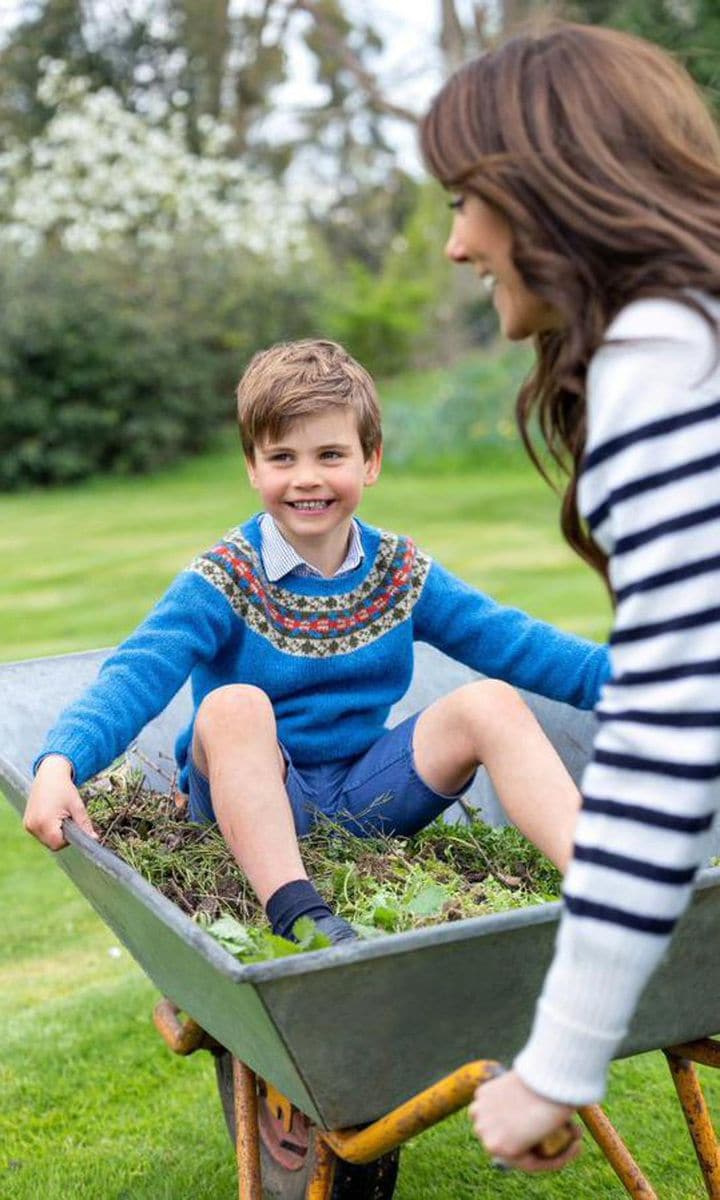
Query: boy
297, 630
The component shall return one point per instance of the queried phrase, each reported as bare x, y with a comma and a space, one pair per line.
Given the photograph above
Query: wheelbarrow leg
320, 1184
616, 1153
694, 1106
246, 1124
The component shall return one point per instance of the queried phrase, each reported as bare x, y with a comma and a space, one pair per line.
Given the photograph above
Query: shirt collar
279, 558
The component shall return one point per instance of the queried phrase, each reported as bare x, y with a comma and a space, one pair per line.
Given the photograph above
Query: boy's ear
373, 463
250, 468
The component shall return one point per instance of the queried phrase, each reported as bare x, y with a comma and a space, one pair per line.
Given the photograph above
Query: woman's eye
456, 203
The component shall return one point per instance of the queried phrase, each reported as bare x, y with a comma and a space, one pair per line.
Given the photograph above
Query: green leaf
366, 932
428, 901
260, 945
386, 917
270, 945
231, 934
250, 945
309, 936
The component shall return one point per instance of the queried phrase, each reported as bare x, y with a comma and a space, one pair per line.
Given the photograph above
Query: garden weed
381, 884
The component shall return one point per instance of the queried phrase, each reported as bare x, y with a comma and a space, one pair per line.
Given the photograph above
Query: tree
72, 31
100, 176
203, 58
213, 60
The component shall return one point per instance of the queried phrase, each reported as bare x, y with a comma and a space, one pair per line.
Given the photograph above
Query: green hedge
124, 364
110, 365
474, 407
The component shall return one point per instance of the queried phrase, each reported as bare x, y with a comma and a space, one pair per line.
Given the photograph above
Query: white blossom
99, 175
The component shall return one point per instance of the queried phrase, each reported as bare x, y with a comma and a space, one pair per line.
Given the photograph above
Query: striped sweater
650, 492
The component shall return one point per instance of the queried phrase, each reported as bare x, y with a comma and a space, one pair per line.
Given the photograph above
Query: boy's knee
238, 708
490, 699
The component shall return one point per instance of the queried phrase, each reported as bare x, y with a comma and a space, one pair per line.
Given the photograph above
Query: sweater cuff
564, 1062
54, 754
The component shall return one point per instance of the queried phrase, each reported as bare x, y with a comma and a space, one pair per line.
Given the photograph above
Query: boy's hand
53, 797
510, 1119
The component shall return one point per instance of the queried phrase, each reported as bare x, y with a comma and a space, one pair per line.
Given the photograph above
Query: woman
586, 174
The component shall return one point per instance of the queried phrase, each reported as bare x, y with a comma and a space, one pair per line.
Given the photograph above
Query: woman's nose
454, 247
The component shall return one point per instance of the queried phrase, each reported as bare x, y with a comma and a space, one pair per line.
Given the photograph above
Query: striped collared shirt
279, 558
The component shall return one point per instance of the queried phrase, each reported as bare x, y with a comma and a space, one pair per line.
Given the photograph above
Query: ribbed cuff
77, 749
54, 754
565, 1063
588, 998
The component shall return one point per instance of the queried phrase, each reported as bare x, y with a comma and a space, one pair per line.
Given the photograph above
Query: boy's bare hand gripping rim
53, 798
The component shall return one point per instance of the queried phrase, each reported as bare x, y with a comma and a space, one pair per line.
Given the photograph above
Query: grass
92, 1105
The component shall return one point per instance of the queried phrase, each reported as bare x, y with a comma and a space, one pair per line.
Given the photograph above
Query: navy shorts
379, 792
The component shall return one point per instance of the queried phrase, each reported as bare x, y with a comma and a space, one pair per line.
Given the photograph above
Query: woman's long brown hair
598, 149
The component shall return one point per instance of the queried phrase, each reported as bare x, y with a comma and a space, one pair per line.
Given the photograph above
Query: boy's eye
280, 457
331, 454
456, 203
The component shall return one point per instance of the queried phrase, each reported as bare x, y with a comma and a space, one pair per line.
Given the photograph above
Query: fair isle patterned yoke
317, 626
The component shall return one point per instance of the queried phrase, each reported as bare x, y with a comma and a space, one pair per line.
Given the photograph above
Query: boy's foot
300, 899
336, 928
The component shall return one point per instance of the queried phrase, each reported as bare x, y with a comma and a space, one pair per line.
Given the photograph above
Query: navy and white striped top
650, 492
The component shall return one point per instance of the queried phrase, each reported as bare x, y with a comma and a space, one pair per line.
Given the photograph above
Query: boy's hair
292, 380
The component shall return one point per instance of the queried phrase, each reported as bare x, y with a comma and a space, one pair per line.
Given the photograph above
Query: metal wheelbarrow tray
350, 1033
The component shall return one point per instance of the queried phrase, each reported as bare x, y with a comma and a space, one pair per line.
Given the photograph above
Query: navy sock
292, 901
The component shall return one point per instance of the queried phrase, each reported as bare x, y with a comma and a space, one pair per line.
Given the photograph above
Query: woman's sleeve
650, 491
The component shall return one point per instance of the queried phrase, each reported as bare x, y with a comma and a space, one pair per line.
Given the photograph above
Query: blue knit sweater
333, 655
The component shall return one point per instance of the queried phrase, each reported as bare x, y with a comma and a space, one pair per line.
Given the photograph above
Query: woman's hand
510, 1119
53, 797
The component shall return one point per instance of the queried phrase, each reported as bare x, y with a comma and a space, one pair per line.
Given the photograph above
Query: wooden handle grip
557, 1142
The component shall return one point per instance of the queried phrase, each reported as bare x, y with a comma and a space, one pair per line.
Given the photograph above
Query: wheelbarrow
318, 1107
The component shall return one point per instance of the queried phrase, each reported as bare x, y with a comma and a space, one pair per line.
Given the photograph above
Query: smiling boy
297, 631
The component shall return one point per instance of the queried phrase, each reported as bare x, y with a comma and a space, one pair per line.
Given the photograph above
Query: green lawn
92, 1105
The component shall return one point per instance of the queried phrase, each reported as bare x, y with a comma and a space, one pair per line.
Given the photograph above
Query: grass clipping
380, 884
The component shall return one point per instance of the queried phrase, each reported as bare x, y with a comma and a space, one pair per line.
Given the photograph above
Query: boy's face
311, 479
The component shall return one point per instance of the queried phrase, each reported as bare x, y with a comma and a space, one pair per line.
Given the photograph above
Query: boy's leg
235, 747
488, 723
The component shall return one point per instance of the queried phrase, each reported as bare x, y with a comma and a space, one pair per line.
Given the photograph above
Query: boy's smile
311, 481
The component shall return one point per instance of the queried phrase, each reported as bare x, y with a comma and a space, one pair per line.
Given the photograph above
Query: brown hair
293, 380
598, 149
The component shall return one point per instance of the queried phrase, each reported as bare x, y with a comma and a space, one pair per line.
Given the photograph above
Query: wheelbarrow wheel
286, 1160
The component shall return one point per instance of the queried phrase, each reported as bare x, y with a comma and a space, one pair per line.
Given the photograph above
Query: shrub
376, 319
473, 408
124, 365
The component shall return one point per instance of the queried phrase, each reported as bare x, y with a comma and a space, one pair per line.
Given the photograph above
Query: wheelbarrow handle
442, 1098
554, 1143
183, 1037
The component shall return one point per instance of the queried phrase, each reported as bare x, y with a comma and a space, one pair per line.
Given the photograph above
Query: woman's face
481, 235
